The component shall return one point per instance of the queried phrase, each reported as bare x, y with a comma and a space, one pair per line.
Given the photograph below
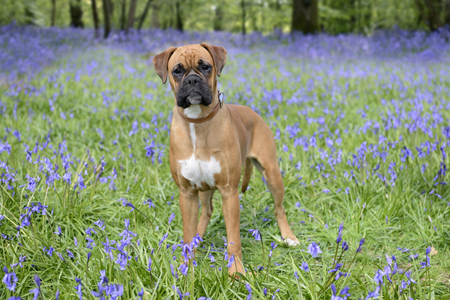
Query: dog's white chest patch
196, 170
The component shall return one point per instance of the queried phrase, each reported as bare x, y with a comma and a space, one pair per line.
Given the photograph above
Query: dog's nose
192, 80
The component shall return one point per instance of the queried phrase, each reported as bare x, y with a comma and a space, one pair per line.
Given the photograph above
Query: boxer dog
210, 143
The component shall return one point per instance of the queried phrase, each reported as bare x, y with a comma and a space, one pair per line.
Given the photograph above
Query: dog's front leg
189, 213
232, 213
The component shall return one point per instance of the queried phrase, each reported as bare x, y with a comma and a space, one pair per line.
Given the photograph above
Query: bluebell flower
314, 249
249, 289
100, 223
172, 216
344, 246
149, 202
78, 288
127, 203
256, 234
305, 266
115, 291
360, 245
10, 279
58, 230
336, 268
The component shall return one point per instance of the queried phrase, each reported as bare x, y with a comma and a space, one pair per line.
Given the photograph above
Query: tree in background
155, 15
106, 17
95, 17
30, 8
131, 13
76, 14
52, 21
305, 16
218, 16
433, 8
179, 21
447, 12
266, 16
144, 14
123, 11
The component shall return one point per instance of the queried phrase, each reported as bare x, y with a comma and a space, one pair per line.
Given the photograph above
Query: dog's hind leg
207, 209
248, 167
275, 184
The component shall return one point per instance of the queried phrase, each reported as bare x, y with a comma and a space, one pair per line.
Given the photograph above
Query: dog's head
192, 71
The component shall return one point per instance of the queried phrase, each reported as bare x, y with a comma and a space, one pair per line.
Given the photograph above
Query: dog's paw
292, 243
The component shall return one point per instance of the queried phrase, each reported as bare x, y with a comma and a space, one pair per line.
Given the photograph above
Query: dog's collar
208, 117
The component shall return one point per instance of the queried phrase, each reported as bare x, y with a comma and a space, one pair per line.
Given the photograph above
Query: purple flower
314, 249
90, 231
78, 288
305, 266
70, 253
249, 289
100, 223
344, 246
272, 247
256, 234
336, 268
10, 279
180, 293
379, 277
149, 267
172, 216
149, 202
361, 242
115, 291
58, 231
126, 203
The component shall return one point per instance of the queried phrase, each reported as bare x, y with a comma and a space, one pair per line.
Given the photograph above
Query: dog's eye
177, 71
205, 68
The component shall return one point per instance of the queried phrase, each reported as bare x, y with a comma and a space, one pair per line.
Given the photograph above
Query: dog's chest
196, 170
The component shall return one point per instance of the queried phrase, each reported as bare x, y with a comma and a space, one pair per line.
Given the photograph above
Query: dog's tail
248, 167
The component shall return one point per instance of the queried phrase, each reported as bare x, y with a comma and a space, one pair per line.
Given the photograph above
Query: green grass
414, 220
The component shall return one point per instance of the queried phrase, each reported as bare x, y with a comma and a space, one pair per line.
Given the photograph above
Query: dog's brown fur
236, 137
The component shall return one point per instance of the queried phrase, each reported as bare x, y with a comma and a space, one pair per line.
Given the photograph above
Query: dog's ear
161, 61
219, 55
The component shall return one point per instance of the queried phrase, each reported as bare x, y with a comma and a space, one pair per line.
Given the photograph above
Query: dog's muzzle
193, 90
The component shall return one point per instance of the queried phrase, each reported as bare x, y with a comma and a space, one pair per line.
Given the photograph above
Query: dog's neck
197, 111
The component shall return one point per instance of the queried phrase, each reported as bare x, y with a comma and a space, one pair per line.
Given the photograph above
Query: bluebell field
88, 209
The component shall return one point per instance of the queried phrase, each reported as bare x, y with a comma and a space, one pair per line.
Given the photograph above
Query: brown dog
209, 145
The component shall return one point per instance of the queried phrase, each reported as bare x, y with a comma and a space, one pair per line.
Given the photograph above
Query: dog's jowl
210, 143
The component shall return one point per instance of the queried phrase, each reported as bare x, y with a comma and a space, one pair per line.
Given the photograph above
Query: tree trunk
218, 19
243, 16
106, 15
277, 26
122, 14
155, 16
144, 15
421, 12
29, 13
447, 12
179, 21
76, 14
131, 13
53, 15
95, 17
434, 20
305, 16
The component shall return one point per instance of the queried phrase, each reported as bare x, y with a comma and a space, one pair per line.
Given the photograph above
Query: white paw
291, 243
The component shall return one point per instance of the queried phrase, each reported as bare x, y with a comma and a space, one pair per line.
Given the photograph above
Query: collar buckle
221, 97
